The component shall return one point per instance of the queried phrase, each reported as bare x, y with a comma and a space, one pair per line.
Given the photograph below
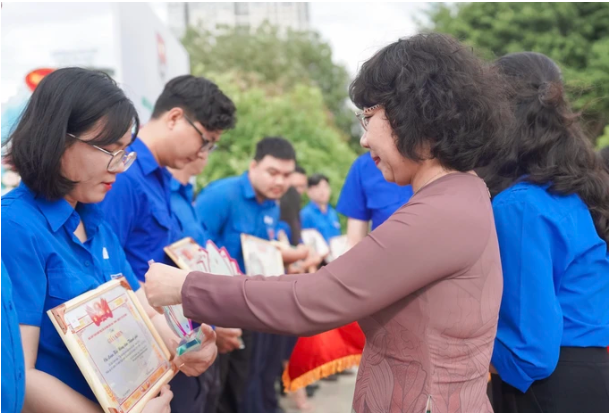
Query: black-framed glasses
208, 145
363, 116
120, 160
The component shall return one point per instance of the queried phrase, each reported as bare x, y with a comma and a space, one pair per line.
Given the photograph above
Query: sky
355, 30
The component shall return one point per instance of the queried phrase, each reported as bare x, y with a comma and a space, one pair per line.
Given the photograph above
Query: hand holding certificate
115, 345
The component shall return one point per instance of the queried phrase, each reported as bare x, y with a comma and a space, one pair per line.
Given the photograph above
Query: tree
280, 59
297, 114
575, 35
603, 140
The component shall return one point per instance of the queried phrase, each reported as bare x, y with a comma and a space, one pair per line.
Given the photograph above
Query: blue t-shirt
182, 198
13, 367
49, 265
326, 223
367, 196
139, 210
556, 282
229, 207
285, 227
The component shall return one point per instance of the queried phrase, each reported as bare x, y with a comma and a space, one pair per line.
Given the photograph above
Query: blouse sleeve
421, 243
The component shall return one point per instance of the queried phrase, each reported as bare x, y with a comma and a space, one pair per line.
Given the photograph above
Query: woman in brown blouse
426, 285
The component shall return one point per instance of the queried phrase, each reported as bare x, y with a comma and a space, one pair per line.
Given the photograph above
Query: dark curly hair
435, 92
546, 144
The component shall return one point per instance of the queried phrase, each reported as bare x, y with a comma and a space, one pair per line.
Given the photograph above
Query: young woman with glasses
68, 148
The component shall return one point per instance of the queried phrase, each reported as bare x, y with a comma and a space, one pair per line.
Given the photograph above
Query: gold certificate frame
261, 257
115, 345
188, 255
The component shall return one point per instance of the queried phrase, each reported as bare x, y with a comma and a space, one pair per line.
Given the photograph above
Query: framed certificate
338, 247
261, 257
188, 255
316, 241
115, 345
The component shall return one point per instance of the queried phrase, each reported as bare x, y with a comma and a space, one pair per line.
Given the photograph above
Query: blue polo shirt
228, 207
49, 265
139, 210
13, 368
326, 223
556, 282
285, 227
367, 196
182, 199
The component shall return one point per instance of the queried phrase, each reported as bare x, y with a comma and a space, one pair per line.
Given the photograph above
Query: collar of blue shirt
146, 160
59, 212
246, 185
318, 209
186, 190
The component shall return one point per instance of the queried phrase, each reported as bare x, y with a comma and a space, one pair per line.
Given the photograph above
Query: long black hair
290, 213
546, 144
67, 101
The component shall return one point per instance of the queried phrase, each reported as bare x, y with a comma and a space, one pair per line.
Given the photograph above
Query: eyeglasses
363, 118
208, 145
120, 160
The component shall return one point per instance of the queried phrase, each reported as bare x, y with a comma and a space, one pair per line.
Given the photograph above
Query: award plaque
261, 257
316, 241
115, 345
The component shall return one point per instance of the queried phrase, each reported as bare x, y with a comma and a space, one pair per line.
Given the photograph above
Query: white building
290, 15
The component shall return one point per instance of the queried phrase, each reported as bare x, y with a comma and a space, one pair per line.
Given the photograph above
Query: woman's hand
195, 363
160, 404
164, 285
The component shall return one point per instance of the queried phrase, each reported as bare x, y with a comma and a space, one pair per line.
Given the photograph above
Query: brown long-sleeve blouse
425, 287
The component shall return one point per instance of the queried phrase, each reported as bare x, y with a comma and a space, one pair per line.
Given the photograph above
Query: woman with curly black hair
425, 286
552, 215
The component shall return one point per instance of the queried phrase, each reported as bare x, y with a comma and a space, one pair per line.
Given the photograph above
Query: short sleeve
352, 200
26, 267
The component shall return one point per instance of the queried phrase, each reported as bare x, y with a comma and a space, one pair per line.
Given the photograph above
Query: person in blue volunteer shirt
551, 207
13, 368
188, 119
367, 199
68, 148
183, 197
248, 204
319, 214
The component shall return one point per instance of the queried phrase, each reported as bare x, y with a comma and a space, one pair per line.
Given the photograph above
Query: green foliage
575, 35
603, 140
298, 114
281, 59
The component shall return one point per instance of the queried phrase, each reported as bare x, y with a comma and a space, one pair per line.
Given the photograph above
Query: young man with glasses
188, 119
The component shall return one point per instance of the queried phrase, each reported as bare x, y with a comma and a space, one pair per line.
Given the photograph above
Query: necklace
429, 181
